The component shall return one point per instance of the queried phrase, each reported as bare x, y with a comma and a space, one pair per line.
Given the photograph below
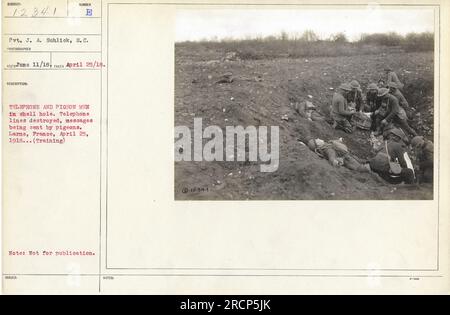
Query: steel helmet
345, 87
372, 86
355, 85
382, 92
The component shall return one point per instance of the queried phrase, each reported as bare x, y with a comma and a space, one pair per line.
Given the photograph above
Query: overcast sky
195, 24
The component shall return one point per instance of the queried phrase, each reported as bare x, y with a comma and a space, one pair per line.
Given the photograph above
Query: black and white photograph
305, 103
242, 148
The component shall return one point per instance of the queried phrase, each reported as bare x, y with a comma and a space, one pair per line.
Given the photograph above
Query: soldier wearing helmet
372, 99
337, 154
393, 89
392, 77
355, 96
373, 102
390, 112
387, 109
340, 111
394, 150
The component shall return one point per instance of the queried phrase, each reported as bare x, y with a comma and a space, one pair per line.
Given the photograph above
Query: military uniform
392, 112
373, 101
397, 152
340, 112
355, 97
392, 77
334, 149
401, 99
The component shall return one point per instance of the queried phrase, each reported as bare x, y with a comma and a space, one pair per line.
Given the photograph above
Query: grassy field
264, 89
308, 45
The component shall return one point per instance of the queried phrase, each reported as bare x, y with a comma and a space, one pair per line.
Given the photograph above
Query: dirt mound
264, 91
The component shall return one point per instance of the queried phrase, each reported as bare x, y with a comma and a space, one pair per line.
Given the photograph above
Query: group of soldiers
388, 110
384, 102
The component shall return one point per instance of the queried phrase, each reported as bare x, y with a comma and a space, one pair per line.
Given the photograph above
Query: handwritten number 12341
35, 12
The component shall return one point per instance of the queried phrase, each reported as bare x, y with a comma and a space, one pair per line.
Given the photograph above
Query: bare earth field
262, 92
